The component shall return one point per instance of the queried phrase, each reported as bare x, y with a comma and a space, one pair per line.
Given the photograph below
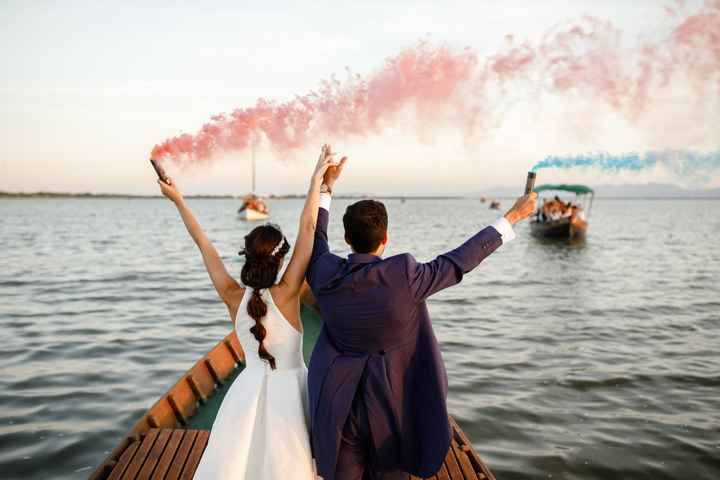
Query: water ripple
592, 362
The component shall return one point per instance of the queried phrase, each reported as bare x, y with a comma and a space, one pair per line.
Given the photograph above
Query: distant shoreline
86, 195
93, 195
271, 197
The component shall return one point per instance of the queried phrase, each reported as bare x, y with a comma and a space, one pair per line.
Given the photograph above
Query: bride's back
282, 340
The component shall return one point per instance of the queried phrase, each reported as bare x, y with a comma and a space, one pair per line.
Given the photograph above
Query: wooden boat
571, 228
169, 440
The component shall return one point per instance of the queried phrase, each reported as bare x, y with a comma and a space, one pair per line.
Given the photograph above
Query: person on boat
552, 210
567, 211
577, 214
261, 430
545, 210
377, 382
253, 202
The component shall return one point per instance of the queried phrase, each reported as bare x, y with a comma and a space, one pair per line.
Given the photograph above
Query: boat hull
562, 229
251, 215
169, 440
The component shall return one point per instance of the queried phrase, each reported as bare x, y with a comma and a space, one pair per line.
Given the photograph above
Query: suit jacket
377, 339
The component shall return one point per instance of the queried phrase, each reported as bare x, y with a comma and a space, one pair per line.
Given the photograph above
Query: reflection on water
587, 361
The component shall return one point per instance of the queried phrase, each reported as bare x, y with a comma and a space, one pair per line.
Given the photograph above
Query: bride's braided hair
264, 250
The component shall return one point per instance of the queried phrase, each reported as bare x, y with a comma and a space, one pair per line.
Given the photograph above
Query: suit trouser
355, 457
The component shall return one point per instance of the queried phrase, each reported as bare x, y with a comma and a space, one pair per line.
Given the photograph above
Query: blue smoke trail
697, 166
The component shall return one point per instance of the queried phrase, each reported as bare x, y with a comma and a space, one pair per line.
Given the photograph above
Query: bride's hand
325, 160
170, 190
333, 173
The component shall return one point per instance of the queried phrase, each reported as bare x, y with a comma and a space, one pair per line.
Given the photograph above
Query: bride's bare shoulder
234, 297
288, 303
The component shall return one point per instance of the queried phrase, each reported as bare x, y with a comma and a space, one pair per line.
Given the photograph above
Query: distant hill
623, 191
601, 191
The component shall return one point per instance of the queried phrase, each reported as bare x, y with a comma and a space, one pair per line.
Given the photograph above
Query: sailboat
253, 207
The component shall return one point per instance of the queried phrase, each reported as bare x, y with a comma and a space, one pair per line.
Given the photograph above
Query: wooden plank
141, 454
195, 387
483, 471
181, 456
233, 351
442, 474
232, 336
168, 454
222, 361
124, 460
464, 461
177, 409
195, 455
163, 414
104, 470
204, 380
453, 469
185, 400
155, 454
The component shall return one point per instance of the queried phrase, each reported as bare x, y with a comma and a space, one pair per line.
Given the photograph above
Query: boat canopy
577, 189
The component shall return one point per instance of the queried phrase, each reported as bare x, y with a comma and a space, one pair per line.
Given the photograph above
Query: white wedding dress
260, 432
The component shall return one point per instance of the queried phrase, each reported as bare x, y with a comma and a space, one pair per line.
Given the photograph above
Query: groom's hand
523, 208
333, 173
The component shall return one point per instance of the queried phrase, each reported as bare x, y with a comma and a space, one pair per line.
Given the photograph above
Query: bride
260, 431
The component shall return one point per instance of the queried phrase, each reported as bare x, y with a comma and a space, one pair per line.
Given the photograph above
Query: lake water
593, 361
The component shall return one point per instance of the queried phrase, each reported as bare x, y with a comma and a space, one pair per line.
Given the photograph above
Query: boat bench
174, 453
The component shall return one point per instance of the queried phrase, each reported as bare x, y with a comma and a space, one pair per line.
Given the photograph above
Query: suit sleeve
446, 270
321, 246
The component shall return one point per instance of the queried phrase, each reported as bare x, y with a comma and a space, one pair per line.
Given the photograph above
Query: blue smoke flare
683, 164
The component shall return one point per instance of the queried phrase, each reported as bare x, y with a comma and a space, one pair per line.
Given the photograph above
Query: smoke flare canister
530, 182
159, 170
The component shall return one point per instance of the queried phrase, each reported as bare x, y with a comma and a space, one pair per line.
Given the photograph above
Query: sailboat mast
253, 167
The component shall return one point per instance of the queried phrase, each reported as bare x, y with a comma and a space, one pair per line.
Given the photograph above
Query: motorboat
561, 219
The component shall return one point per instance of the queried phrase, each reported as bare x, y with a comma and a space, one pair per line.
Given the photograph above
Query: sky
89, 88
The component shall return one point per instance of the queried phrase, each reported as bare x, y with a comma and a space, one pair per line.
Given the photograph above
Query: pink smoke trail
438, 81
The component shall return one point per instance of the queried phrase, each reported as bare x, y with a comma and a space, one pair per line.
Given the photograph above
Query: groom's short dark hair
365, 224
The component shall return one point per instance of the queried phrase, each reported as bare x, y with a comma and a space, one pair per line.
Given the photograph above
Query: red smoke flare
586, 57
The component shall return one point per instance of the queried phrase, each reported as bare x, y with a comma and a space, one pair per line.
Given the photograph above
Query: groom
377, 382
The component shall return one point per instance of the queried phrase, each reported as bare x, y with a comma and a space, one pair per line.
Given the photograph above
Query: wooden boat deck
164, 444
167, 453
174, 454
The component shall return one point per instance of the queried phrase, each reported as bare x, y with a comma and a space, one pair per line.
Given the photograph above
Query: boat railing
183, 399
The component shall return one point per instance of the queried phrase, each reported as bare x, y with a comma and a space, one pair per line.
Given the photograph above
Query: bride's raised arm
227, 287
292, 280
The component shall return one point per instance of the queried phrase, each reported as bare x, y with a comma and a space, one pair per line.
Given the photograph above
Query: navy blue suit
377, 342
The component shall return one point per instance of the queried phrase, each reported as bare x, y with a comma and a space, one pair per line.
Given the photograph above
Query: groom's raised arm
448, 269
321, 246
321, 237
